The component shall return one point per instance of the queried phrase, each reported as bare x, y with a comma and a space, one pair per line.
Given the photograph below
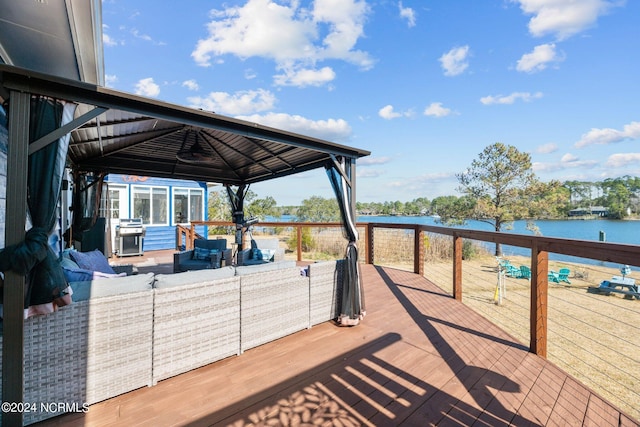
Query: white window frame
137, 189
189, 191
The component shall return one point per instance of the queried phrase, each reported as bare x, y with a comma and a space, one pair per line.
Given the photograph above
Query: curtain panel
353, 307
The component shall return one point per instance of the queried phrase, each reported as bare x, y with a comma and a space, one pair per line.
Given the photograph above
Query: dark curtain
353, 309
87, 193
34, 257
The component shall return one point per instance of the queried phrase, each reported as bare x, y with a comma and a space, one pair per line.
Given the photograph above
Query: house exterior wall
144, 198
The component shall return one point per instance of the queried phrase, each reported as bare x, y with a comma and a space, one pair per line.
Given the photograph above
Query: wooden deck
419, 358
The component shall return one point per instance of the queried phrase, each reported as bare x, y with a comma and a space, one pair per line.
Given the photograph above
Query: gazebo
65, 117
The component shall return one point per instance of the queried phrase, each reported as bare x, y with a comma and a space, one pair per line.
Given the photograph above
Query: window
117, 202
150, 204
188, 205
114, 200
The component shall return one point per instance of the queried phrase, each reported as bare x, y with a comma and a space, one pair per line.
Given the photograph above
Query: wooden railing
540, 249
188, 234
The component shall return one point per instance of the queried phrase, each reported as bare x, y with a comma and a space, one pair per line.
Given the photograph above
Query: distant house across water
599, 211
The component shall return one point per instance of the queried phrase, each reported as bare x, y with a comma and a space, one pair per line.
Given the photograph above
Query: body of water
612, 231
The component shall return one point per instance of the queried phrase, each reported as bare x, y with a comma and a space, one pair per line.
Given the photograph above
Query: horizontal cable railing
590, 335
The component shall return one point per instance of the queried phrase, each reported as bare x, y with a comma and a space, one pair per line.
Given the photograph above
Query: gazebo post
14, 283
236, 199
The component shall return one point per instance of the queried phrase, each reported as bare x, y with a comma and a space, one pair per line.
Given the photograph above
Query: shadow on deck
419, 358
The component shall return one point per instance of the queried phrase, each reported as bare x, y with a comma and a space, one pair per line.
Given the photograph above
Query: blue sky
425, 85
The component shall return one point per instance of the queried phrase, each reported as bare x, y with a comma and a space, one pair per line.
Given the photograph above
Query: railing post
457, 267
299, 248
539, 297
192, 237
369, 244
418, 251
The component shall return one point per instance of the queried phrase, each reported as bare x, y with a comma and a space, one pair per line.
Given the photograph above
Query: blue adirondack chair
509, 269
553, 277
525, 272
563, 275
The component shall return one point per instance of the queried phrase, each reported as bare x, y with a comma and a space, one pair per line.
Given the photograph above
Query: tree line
620, 195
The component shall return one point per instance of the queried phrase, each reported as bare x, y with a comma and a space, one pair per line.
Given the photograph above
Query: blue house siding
159, 236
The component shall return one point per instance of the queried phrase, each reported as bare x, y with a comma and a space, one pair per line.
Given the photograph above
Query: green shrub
469, 249
308, 242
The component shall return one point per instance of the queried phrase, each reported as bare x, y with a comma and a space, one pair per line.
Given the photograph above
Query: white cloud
139, 35
110, 80
369, 173
331, 129
567, 161
409, 14
241, 102
387, 112
435, 109
538, 60
455, 61
423, 183
571, 161
623, 159
191, 85
563, 18
539, 167
510, 99
108, 41
547, 148
609, 136
147, 87
294, 37
305, 77
367, 161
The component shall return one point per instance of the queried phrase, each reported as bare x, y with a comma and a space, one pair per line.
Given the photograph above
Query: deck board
418, 358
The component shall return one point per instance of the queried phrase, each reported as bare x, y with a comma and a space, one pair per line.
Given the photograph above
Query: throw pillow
94, 261
75, 275
267, 254
80, 275
203, 254
263, 254
68, 263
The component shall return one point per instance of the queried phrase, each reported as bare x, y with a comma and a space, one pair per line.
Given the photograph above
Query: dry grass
592, 336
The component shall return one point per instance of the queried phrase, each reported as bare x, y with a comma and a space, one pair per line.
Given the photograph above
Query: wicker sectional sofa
125, 333
196, 320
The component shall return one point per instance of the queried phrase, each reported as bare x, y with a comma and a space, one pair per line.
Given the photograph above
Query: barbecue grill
130, 237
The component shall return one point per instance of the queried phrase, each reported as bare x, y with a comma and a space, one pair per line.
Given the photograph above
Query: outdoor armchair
206, 254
